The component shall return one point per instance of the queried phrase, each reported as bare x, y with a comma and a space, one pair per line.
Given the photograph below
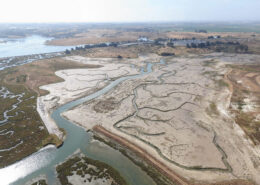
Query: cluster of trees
201, 31
241, 48
159, 41
175, 39
78, 48
199, 45
165, 54
220, 46
214, 37
162, 41
170, 44
171, 39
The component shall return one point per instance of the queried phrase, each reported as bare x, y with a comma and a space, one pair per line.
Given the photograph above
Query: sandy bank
144, 154
78, 83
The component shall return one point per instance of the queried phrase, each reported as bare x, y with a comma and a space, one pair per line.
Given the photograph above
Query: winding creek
44, 161
4, 93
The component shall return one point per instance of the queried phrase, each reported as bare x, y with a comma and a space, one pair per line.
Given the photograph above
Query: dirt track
178, 114
141, 152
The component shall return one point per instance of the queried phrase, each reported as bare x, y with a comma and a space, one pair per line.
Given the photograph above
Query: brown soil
94, 36
144, 154
182, 51
244, 84
232, 182
114, 52
157, 164
134, 51
36, 74
105, 106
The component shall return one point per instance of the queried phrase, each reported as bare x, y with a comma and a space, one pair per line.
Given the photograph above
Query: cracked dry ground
179, 114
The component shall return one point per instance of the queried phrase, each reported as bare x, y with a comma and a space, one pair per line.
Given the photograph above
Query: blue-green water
44, 161
28, 46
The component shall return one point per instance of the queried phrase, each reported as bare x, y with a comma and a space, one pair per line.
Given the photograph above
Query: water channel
44, 161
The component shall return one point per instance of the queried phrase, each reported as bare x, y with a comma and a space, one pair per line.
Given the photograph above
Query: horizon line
134, 22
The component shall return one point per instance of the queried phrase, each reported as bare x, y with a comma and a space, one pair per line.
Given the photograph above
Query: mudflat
179, 113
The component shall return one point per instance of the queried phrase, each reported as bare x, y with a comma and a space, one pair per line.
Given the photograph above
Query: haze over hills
128, 11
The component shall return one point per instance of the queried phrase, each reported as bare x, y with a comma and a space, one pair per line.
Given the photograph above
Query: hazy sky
128, 10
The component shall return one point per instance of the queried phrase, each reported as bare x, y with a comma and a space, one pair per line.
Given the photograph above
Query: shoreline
50, 125
77, 172
45, 109
137, 149
36, 180
164, 170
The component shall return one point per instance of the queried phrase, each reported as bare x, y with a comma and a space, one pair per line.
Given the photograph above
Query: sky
128, 10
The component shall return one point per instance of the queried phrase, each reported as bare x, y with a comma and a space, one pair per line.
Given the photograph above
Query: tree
193, 45
167, 54
113, 44
67, 52
201, 45
170, 44
241, 48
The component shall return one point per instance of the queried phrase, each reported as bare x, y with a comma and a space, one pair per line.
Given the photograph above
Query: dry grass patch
246, 86
36, 74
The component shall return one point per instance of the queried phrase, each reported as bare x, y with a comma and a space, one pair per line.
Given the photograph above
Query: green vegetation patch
221, 83
83, 166
249, 125
24, 132
40, 182
21, 79
52, 139
24, 125
212, 109
210, 63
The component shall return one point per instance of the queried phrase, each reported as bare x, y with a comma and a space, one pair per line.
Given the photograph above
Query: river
45, 160
30, 45
14, 52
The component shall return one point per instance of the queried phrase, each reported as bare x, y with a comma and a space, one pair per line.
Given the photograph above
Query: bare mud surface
179, 113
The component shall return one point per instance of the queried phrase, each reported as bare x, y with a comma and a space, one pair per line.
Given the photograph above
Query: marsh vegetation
89, 170
22, 131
